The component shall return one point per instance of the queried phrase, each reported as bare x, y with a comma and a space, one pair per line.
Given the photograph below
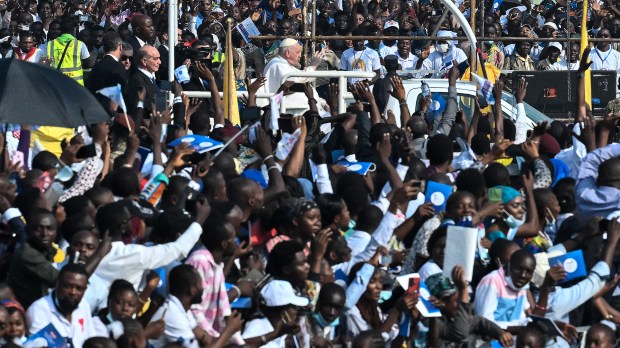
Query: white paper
182, 74
275, 110
286, 144
460, 250
247, 28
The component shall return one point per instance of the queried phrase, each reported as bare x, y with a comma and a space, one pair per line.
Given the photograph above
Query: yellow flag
231, 106
587, 78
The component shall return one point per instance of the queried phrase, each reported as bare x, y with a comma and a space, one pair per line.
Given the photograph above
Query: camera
201, 53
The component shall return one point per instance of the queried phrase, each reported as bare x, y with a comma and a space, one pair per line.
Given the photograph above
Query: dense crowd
174, 224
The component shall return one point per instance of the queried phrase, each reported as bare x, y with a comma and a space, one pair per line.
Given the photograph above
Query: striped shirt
211, 312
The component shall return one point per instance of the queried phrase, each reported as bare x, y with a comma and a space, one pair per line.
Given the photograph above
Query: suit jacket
135, 44
162, 73
107, 72
137, 80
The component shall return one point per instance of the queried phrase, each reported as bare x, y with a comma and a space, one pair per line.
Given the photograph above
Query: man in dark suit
164, 50
147, 62
143, 32
109, 71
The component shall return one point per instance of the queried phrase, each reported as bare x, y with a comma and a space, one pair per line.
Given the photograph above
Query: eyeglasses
124, 57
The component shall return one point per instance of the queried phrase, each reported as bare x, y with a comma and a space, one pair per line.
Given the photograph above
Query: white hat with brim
556, 45
551, 24
279, 293
288, 42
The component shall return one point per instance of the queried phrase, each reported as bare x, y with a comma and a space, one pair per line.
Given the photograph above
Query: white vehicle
466, 92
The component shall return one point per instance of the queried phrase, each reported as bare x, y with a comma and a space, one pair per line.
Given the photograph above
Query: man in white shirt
360, 58
603, 57
573, 60
406, 59
27, 49
65, 307
388, 47
130, 261
185, 289
445, 52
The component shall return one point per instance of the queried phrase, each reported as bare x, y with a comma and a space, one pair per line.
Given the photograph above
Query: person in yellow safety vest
68, 54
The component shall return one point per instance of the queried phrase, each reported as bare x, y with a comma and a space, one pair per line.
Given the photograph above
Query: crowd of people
299, 230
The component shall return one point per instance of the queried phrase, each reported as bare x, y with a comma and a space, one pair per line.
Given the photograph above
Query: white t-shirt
43, 312
261, 327
180, 324
564, 65
435, 60
408, 63
609, 60
385, 51
366, 60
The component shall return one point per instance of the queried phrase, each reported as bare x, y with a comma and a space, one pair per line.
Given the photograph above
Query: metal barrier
342, 86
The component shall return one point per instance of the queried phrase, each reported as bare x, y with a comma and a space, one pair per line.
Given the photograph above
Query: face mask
443, 48
64, 174
3, 7
513, 287
324, 323
513, 222
489, 43
23, 27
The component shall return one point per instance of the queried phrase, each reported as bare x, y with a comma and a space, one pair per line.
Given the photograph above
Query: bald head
417, 125
148, 58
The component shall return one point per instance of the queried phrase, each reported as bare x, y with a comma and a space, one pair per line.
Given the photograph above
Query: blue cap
255, 175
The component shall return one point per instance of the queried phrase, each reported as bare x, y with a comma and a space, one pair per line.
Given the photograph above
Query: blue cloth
358, 286
560, 170
255, 175
593, 200
508, 193
307, 187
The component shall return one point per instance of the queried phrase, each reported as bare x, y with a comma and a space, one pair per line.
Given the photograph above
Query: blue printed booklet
360, 168
200, 143
47, 337
437, 194
573, 264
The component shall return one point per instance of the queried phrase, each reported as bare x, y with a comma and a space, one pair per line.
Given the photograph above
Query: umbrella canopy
39, 95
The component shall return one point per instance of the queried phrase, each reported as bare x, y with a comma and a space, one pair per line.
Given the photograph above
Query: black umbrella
39, 95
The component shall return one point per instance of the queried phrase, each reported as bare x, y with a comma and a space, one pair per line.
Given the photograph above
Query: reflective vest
72, 63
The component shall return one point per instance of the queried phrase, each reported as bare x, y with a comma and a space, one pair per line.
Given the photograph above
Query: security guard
68, 54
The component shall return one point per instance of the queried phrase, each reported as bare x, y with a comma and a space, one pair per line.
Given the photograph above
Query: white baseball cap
280, 293
391, 24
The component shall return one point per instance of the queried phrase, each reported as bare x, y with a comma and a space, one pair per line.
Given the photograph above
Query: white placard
460, 250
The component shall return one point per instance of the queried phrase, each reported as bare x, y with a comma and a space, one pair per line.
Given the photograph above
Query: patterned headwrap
440, 286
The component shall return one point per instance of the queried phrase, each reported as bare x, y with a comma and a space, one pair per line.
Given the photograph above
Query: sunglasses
126, 57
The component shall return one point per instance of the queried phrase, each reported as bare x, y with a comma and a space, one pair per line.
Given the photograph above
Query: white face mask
443, 48
512, 286
513, 222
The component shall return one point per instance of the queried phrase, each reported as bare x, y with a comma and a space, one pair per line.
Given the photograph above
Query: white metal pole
173, 13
